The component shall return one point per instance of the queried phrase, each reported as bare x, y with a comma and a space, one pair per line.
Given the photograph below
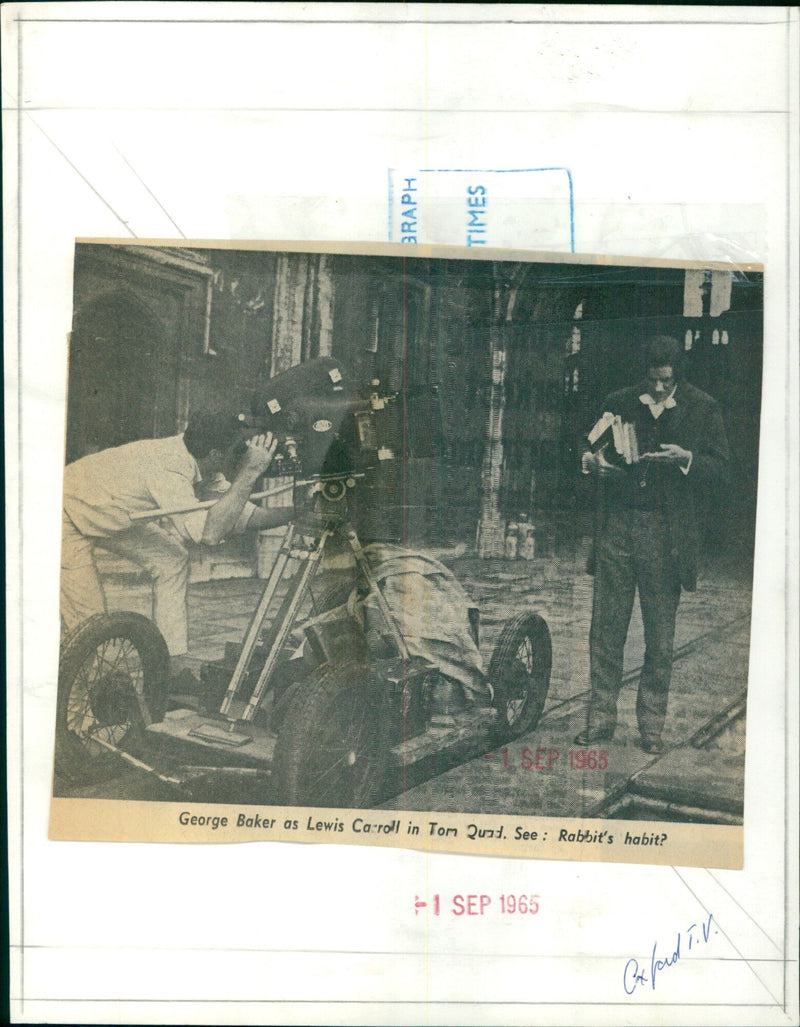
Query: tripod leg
374, 587
257, 621
300, 586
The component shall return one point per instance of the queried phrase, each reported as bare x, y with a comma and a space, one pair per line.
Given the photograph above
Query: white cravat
657, 407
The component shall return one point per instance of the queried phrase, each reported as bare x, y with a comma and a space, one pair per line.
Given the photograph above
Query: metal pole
257, 621
150, 515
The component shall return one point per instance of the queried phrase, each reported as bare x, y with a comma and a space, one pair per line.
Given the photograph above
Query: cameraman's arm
223, 515
264, 517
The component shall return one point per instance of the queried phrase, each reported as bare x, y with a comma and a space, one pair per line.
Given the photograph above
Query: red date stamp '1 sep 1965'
547, 759
479, 905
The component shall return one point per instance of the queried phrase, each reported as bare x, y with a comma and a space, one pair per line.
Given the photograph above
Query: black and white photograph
409, 534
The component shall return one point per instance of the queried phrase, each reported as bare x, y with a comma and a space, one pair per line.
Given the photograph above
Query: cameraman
103, 490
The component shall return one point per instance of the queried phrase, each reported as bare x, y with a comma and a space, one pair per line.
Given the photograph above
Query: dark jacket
696, 424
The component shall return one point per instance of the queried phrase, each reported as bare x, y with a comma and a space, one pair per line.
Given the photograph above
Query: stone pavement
710, 671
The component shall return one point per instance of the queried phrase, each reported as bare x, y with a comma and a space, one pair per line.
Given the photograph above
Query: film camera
358, 442
324, 424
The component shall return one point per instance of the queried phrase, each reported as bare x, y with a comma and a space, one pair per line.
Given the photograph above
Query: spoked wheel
112, 682
331, 747
520, 673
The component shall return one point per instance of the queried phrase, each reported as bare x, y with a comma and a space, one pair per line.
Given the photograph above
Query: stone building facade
499, 366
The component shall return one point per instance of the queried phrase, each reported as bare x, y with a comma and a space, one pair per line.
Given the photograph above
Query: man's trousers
633, 552
149, 546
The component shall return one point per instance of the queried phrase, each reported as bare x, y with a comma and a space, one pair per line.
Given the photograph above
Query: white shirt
103, 489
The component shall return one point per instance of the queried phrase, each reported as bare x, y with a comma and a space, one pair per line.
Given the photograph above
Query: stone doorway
117, 351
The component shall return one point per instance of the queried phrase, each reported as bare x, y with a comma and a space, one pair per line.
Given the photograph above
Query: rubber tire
74, 760
336, 701
283, 704
330, 592
512, 679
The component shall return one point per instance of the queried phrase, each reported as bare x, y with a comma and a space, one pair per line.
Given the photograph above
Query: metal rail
138, 764
687, 649
624, 795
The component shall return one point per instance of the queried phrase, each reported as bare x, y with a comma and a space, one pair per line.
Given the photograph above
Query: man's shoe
652, 745
600, 734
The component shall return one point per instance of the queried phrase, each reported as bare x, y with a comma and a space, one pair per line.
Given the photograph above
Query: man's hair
663, 351
207, 431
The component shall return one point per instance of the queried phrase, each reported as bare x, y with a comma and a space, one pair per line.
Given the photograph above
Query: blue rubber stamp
525, 208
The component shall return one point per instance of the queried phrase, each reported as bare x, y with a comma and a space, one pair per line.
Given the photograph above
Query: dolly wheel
112, 682
331, 748
520, 673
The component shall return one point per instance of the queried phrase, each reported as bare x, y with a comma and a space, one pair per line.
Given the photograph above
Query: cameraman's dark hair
663, 351
210, 431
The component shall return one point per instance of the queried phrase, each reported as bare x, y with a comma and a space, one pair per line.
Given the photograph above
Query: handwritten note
636, 974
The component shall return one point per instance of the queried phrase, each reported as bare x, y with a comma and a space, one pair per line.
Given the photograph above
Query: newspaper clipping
448, 550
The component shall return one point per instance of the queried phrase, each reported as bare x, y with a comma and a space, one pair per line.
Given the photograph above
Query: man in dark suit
647, 534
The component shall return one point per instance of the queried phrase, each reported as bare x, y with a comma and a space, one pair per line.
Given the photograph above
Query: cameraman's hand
260, 450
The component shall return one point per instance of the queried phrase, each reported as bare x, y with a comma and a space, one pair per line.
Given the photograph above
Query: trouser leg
659, 593
167, 561
81, 594
614, 590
